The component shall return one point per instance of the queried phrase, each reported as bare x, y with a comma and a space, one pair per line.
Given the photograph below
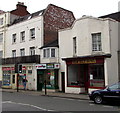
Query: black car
111, 93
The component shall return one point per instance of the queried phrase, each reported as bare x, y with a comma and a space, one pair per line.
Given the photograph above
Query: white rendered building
89, 54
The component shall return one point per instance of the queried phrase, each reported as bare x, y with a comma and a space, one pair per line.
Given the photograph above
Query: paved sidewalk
55, 94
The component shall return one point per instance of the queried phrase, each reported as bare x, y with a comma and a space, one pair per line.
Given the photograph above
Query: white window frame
32, 33
96, 42
22, 52
1, 21
22, 36
53, 54
74, 46
14, 37
32, 50
13, 53
1, 37
1, 54
47, 53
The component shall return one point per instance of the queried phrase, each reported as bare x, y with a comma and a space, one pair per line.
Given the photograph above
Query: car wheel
98, 99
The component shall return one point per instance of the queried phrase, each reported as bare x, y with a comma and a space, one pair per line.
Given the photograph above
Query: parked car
110, 93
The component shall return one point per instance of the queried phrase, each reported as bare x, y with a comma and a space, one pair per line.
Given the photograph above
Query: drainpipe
4, 36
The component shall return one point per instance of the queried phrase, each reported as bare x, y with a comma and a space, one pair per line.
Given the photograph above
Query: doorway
40, 79
63, 81
84, 78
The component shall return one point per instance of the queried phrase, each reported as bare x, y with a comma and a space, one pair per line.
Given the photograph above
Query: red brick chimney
21, 10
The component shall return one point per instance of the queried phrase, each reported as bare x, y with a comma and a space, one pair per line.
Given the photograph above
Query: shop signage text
85, 61
48, 66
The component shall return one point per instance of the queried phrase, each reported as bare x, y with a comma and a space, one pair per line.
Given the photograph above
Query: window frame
1, 37
1, 54
22, 36
13, 53
47, 53
74, 46
32, 51
14, 38
32, 34
22, 52
1, 21
96, 42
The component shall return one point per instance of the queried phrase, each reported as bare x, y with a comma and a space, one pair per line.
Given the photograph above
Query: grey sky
78, 7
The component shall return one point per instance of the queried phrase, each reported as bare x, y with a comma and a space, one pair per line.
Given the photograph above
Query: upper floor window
74, 46
53, 52
1, 54
22, 52
14, 38
32, 50
50, 52
1, 37
22, 36
96, 42
32, 33
13, 53
1, 21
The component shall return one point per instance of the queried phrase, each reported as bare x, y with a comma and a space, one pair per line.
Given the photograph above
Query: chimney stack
21, 9
21, 5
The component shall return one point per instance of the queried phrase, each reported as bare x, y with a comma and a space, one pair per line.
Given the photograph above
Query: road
26, 102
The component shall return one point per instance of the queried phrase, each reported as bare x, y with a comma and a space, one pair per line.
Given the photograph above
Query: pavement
54, 94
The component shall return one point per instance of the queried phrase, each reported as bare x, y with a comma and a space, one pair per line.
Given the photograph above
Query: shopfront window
97, 75
73, 77
6, 77
49, 76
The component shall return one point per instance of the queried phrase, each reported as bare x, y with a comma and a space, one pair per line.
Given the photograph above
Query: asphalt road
26, 102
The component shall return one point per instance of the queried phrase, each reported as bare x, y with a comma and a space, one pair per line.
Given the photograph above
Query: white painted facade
26, 25
37, 42
82, 30
6, 18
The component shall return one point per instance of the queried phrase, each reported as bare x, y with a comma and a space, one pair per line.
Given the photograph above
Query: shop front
47, 73
10, 78
7, 76
85, 73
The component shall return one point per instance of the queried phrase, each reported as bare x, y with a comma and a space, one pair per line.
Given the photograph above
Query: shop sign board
56, 66
11, 68
84, 61
48, 66
41, 66
8, 68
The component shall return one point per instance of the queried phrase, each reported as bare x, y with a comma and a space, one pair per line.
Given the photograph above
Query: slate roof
115, 16
29, 16
51, 44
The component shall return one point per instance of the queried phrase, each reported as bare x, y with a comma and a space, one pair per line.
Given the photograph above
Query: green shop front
49, 73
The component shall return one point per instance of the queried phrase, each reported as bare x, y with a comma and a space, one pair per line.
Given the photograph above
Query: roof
115, 16
51, 44
29, 16
1, 11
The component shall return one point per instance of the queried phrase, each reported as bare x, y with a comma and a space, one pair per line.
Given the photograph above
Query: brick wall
21, 10
56, 18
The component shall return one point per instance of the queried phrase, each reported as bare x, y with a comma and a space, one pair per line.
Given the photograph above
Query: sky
79, 8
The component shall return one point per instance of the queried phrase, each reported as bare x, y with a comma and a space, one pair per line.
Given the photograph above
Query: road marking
27, 105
